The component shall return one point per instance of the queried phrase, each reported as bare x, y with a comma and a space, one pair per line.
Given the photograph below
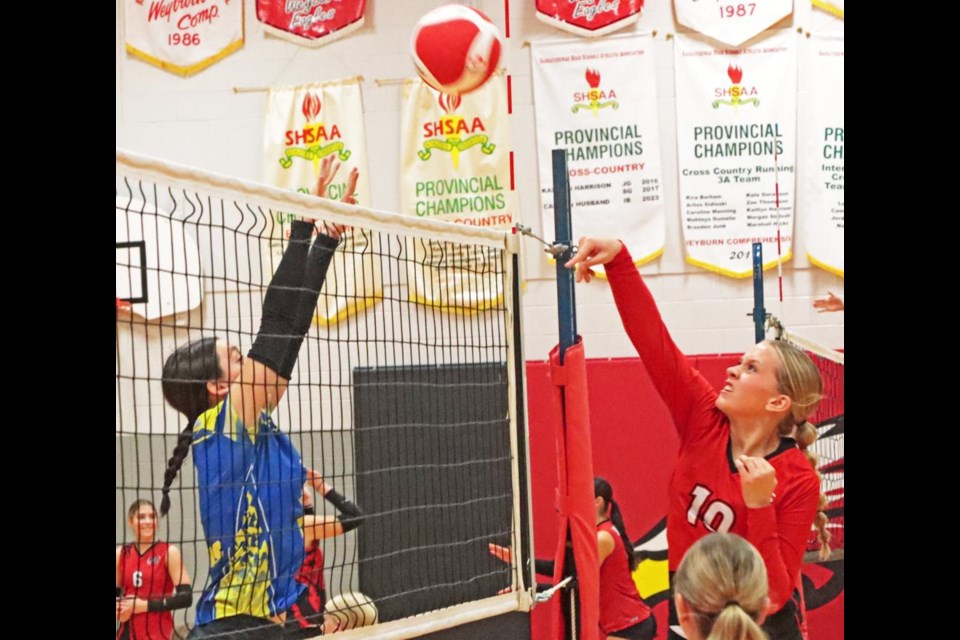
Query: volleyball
455, 48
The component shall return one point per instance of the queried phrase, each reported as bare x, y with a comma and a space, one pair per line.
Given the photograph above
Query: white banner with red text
822, 170
311, 22
731, 21
597, 100
455, 166
736, 139
305, 124
183, 36
589, 18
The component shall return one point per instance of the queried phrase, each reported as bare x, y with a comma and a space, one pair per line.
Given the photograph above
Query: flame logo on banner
594, 95
311, 106
448, 102
737, 92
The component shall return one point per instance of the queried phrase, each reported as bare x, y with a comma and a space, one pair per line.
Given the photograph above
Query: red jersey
146, 576
705, 492
308, 610
620, 603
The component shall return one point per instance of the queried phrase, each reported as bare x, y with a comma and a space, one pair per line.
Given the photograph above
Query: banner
303, 125
597, 100
731, 21
830, 6
589, 17
182, 36
823, 169
455, 166
736, 147
311, 22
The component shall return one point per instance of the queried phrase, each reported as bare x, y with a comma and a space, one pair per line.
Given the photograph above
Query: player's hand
317, 482
125, 608
758, 479
829, 302
328, 171
350, 193
501, 552
591, 252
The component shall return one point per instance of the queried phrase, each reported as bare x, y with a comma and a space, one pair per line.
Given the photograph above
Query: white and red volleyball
456, 48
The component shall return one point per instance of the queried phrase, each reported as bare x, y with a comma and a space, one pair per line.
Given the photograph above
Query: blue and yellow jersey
250, 486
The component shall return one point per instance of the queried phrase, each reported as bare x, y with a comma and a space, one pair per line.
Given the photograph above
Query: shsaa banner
311, 22
183, 36
822, 170
597, 100
304, 124
455, 166
736, 139
589, 17
731, 21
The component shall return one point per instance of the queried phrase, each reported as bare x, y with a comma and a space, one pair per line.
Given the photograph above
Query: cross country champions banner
305, 124
455, 166
731, 21
311, 22
183, 36
822, 170
589, 17
736, 139
597, 100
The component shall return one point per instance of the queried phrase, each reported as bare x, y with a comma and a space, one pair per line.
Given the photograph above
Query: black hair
602, 489
185, 376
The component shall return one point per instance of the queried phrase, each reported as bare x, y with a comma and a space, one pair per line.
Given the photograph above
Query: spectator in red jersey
623, 613
151, 580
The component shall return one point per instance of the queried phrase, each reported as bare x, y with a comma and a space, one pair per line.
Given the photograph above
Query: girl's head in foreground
720, 589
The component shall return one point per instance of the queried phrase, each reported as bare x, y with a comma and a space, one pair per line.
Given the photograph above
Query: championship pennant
183, 36
598, 101
736, 139
311, 22
305, 124
823, 170
731, 21
589, 17
455, 166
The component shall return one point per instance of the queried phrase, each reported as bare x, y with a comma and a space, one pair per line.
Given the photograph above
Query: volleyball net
405, 397
829, 422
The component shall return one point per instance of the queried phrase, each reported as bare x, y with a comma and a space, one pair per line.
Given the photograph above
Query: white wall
201, 121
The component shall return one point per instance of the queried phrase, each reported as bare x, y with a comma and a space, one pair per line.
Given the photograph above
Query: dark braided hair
185, 376
602, 489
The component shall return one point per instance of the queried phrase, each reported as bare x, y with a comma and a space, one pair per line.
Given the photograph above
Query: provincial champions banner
589, 17
736, 139
305, 124
597, 100
823, 170
311, 22
183, 36
731, 21
455, 166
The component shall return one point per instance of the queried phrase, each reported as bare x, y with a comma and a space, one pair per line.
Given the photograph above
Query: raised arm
288, 308
682, 388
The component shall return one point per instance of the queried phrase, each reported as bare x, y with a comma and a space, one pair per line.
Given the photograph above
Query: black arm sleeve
350, 515
119, 592
181, 600
544, 567
291, 297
